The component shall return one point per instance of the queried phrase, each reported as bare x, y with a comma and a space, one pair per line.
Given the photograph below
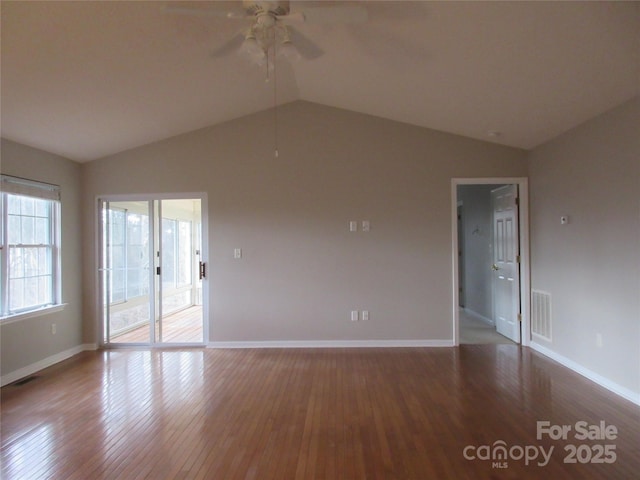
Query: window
127, 236
29, 246
176, 251
177, 261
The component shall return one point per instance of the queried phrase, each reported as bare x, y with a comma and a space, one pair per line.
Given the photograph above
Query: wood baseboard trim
591, 375
44, 363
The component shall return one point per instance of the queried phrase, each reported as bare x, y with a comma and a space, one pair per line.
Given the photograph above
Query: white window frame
43, 191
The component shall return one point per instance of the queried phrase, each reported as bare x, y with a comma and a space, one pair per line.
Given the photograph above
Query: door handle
495, 267
203, 270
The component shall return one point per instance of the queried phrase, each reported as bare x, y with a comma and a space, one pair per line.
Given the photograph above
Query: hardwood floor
184, 326
308, 413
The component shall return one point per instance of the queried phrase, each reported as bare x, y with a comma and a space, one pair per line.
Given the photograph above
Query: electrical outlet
354, 315
54, 330
237, 253
365, 315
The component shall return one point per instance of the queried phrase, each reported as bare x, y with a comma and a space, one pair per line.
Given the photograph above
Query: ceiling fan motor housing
276, 8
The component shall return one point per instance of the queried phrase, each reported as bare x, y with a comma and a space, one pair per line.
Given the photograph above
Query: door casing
523, 224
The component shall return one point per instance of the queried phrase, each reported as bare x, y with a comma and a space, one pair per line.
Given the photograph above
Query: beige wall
29, 341
302, 271
591, 266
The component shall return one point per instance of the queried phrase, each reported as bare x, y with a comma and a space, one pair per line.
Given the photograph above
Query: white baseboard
479, 317
334, 344
44, 363
585, 372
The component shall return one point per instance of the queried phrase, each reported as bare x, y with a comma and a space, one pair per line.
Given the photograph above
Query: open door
150, 272
506, 262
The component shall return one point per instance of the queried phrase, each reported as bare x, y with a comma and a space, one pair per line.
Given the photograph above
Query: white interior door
506, 258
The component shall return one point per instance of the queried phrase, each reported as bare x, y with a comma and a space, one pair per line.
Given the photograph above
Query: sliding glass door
151, 271
126, 271
179, 286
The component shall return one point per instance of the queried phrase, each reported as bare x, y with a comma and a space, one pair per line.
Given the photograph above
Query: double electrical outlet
356, 315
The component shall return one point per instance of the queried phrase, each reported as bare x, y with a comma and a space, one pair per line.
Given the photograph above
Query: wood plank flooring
184, 326
405, 413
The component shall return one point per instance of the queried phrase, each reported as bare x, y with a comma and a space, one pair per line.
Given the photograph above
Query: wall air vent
541, 315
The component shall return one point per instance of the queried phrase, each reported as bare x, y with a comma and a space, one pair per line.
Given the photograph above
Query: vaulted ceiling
89, 79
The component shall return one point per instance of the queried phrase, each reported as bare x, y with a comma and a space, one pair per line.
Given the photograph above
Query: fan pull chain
266, 75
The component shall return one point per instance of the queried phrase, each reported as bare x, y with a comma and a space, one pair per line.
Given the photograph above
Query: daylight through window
30, 246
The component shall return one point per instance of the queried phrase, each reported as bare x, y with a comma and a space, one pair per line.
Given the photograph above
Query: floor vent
541, 315
24, 381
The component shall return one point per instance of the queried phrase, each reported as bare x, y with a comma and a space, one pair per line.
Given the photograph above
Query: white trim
334, 344
591, 375
38, 312
53, 245
97, 277
44, 363
151, 346
525, 295
482, 318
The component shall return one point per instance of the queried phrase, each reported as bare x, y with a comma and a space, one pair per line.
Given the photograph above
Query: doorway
490, 261
151, 271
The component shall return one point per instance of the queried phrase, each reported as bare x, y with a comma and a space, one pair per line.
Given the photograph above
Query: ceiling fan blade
307, 49
344, 14
202, 12
292, 18
230, 46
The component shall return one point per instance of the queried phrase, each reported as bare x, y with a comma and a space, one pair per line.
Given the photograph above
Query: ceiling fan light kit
251, 48
289, 51
270, 33
259, 43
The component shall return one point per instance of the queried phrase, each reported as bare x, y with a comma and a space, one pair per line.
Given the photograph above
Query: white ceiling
89, 79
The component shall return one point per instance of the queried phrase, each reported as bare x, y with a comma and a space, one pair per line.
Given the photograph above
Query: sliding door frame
99, 278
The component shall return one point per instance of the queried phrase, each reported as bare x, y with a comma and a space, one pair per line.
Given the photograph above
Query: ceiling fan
270, 29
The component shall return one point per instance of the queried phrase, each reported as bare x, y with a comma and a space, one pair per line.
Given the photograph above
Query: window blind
29, 188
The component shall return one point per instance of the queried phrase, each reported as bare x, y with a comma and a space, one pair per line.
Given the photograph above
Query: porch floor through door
184, 326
